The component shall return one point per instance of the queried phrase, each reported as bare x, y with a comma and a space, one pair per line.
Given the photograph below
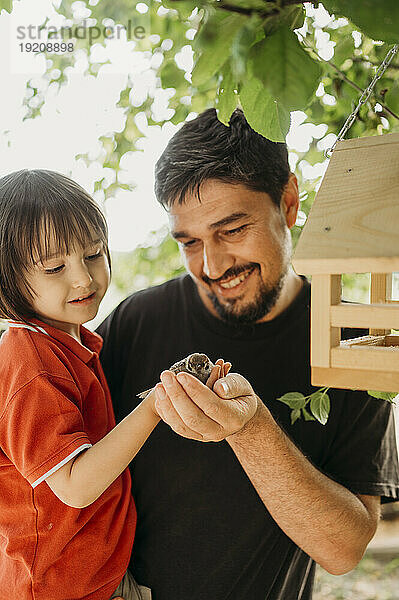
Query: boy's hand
219, 370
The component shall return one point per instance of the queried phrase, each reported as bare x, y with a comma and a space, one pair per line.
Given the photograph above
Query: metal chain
363, 98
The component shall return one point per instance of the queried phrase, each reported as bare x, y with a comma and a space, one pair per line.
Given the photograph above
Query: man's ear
289, 203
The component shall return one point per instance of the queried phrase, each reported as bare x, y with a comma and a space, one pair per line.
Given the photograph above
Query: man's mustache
231, 273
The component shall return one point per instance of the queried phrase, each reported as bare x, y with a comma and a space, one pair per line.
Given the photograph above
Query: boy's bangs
59, 234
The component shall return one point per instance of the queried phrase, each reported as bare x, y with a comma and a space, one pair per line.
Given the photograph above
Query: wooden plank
370, 141
380, 291
355, 379
378, 358
354, 220
379, 316
349, 264
326, 290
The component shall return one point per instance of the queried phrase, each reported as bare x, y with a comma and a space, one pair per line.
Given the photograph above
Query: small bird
197, 364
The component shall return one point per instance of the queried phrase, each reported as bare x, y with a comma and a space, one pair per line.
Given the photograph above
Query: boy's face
68, 289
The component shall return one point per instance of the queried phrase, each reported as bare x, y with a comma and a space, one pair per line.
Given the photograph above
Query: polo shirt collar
91, 342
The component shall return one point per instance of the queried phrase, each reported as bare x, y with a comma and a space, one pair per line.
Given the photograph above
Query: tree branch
365, 61
346, 79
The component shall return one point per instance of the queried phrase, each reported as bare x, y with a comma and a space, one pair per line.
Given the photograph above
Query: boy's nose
81, 277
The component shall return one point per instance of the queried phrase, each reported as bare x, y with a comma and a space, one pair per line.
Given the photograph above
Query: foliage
246, 53
319, 403
146, 266
389, 396
6, 5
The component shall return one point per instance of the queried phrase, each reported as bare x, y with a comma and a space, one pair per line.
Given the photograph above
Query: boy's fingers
226, 368
215, 374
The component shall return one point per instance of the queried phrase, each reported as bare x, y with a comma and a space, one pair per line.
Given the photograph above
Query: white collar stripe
35, 328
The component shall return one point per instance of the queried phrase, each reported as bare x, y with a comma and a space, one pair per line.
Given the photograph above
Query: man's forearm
326, 520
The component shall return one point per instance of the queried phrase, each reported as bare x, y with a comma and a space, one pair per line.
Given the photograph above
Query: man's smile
229, 287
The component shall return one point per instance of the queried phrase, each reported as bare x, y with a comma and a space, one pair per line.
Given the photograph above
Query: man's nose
216, 261
80, 276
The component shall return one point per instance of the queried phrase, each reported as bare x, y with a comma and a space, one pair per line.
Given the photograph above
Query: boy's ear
289, 204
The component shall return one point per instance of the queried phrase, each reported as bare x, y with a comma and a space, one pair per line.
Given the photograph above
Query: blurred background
103, 112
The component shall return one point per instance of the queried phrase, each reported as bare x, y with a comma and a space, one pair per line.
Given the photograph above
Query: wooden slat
378, 358
378, 316
355, 379
380, 291
354, 221
326, 290
349, 264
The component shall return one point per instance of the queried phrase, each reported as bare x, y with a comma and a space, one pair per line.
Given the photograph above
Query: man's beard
265, 299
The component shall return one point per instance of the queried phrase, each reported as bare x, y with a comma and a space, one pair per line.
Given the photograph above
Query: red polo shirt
54, 403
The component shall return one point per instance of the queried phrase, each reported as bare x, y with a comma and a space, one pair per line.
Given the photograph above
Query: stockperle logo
31, 41
133, 30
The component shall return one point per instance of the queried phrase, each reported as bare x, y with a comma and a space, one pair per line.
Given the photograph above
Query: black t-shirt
202, 532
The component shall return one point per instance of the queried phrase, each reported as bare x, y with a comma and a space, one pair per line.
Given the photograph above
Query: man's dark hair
205, 149
35, 204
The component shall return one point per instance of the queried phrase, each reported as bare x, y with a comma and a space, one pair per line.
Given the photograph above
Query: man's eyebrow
221, 223
230, 219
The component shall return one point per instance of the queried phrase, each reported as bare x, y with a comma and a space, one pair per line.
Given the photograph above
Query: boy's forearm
93, 471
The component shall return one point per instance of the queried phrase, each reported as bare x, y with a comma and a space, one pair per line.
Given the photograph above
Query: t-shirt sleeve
41, 428
363, 455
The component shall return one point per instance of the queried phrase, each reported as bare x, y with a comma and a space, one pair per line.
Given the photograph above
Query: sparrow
198, 365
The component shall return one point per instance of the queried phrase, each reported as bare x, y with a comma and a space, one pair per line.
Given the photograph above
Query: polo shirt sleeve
42, 428
363, 455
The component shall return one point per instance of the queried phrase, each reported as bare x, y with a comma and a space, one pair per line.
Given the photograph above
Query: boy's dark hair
204, 149
33, 205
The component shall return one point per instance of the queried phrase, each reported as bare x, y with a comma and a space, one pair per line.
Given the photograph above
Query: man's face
236, 246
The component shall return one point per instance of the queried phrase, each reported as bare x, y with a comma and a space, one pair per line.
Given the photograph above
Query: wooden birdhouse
353, 227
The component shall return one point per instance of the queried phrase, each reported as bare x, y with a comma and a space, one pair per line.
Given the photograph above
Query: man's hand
195, 411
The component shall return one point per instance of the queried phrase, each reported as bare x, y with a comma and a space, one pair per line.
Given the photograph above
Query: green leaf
389, 396
264, 114
295, 415
227, 98
183, 7
378, 20
391, 98
246, 37
307, 416
294, 400
343, 50
287, 71
214, 44
6, 5
170, 74
320, 406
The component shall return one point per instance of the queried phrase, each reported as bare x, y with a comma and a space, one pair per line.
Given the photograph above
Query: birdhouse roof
353, 225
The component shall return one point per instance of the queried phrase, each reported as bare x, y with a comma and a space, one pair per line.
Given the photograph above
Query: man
247, 517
